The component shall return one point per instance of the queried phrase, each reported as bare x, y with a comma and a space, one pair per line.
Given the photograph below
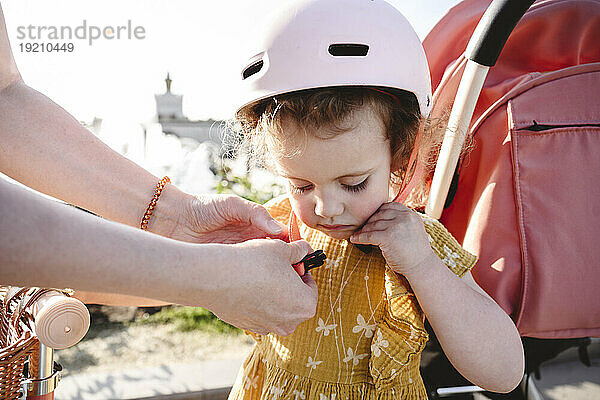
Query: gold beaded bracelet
159, 188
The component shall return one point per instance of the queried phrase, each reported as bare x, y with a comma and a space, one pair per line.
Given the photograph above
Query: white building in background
170, 116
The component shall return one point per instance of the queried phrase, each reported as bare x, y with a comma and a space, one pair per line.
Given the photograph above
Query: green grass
186, 319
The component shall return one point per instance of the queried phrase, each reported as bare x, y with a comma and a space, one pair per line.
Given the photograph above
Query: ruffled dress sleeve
457, 259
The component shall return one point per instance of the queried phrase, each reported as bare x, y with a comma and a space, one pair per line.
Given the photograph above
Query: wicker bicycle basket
18, 344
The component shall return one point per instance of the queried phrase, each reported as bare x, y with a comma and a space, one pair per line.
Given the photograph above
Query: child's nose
328, 206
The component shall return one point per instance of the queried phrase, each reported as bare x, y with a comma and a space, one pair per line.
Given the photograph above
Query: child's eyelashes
356, 188
349, 188
299, 189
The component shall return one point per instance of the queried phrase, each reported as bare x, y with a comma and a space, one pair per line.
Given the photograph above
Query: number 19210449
46, 47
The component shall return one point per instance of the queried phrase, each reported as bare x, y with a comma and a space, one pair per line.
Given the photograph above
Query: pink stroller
526, 198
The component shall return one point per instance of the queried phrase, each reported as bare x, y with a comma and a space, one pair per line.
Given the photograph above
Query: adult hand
262, 292
214, 219
251, 285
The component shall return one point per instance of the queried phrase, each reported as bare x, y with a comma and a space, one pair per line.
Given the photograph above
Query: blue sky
195, 41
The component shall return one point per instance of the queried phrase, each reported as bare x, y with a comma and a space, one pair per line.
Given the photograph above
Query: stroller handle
493, 30
482, 52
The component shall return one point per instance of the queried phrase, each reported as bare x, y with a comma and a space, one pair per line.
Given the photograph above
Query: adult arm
250, 285
45, 148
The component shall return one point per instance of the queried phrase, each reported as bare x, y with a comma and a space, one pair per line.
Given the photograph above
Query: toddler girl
335, 101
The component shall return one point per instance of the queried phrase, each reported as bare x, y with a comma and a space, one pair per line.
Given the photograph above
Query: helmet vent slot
252, 69
348, 50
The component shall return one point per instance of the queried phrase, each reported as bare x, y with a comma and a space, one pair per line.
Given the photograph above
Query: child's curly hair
260, 123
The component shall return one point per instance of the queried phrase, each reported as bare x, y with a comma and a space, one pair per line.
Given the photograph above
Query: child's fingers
373, 220
394, 206
395, 209
384, 214
398, 213
367, 237
381, 224
389, 214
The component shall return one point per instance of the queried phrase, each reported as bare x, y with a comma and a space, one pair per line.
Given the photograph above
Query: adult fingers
298, 250
309, 281
260, 331
312, 299
305, 309
260, 218
243, 210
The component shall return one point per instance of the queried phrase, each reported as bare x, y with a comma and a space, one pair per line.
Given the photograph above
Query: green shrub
229, 183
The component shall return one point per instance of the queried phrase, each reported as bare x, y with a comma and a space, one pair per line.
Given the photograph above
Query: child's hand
400, 234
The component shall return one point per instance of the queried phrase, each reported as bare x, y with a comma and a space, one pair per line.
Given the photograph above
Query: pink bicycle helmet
325, 43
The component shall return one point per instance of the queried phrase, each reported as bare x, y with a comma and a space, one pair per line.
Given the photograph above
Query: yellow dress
366, 339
